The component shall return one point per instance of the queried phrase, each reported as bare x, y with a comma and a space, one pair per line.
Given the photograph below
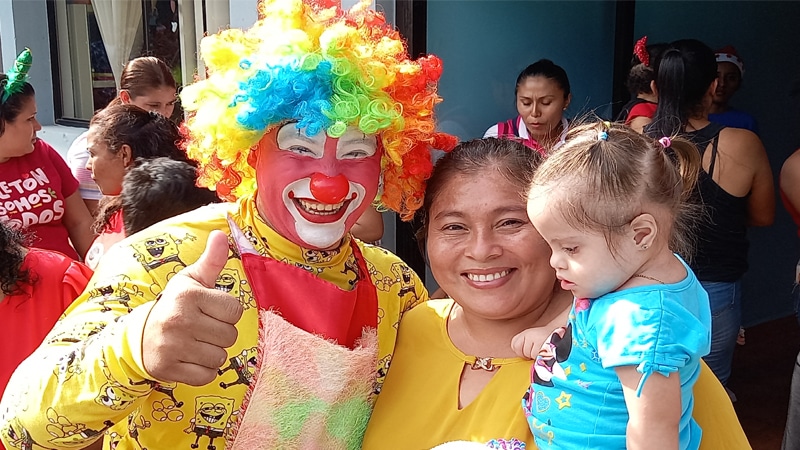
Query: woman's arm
761, 203
654, 416
78, 222
790, 180
743, 169
91, 205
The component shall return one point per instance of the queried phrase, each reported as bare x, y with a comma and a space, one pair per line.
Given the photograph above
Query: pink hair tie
665, 142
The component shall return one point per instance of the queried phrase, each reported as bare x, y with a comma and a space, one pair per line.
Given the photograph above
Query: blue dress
575, 399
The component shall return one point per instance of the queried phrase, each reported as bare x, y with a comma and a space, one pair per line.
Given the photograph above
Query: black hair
158, 189
12, 255
640, 76
684, 72
10, 109
548, 69
148, 134
513, 159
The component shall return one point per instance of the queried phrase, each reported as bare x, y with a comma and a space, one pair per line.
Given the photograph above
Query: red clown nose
330, 190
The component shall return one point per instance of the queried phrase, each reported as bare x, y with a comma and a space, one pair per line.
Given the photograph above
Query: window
95, 38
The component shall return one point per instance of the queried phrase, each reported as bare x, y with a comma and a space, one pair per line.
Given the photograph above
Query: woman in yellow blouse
454, 376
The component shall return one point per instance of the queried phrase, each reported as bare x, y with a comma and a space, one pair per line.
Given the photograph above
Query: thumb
206, 269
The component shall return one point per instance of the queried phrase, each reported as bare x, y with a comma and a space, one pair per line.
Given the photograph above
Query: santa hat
728, 54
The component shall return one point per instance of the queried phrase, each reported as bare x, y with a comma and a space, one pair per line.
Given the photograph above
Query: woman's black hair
12, 255
148, 134
684, 72
10, 109
548, 69
475, 158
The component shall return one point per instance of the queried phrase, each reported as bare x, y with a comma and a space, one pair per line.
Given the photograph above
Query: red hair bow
640, 50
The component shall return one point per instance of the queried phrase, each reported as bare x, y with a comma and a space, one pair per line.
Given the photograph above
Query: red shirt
27, 317
33, 189
792, 212
113, 232
644, 109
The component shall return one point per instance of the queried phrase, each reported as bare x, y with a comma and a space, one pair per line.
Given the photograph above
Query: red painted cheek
330, 190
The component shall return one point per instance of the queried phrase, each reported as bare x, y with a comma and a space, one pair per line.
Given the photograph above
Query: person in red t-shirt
639, 111
36, 287
37, 190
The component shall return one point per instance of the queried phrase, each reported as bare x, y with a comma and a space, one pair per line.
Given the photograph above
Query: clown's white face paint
312, 190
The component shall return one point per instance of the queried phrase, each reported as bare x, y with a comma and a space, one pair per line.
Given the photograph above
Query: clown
305, 120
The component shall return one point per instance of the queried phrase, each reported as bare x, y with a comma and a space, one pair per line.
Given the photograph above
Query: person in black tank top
732, 195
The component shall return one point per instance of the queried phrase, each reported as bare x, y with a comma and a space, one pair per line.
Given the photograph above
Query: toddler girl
612, 205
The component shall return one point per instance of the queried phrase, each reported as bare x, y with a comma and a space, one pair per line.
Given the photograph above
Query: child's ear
644, 229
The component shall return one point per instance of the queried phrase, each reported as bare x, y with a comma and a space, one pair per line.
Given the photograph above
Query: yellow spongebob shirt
87, 380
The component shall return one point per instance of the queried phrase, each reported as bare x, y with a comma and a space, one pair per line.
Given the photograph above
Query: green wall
485, 44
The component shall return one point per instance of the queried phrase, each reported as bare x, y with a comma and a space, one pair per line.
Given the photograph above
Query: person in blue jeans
734, 187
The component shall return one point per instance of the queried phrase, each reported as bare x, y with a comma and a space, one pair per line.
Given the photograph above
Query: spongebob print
213, 417
134, 426
69, 364
383, 370
80, 332
244, 365
259, 244
117, 290
405, 277
313, 256
351, 265
19, 437
68, 434
159, 250
169, 391
113, 396
306, 267
232, 282
400, 274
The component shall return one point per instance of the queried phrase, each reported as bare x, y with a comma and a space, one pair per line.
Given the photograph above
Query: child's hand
524, 344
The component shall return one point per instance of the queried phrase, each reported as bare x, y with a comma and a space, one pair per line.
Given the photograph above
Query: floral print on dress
506, 444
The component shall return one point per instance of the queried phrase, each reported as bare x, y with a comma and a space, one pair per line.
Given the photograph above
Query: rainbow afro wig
325, 69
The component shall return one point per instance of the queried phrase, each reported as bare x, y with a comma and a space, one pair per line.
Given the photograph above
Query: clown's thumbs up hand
191, 325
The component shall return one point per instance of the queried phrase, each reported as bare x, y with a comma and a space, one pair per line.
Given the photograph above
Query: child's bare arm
655, 414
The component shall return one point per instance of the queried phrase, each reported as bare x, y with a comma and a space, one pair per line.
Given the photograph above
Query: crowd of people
216, 283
